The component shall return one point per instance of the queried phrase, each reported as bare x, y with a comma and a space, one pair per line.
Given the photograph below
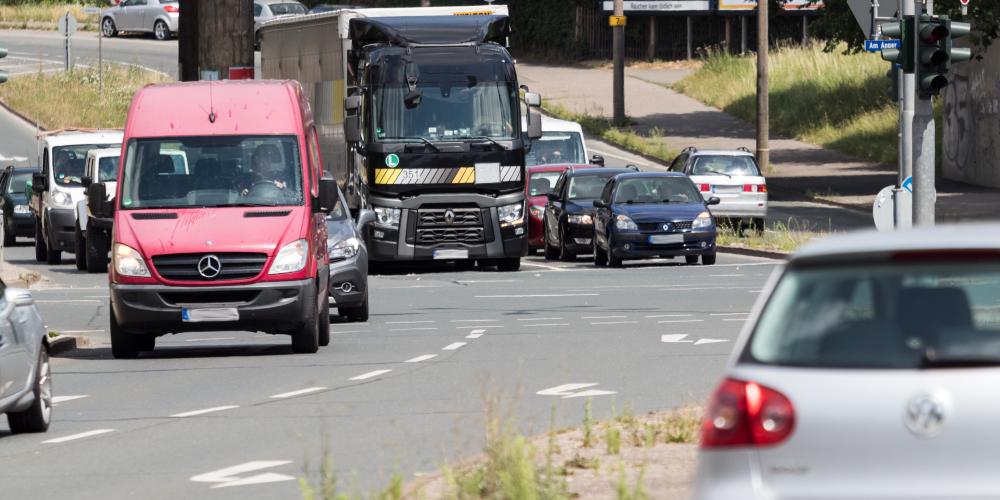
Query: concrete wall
971, 139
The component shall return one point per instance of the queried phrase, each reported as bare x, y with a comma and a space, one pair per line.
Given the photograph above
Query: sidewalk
798, 170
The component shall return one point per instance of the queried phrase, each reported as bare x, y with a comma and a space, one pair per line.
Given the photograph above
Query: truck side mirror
364, 218
86, 181
97, 200
352, 119
597, 160
39, 182
534, 125
327, 195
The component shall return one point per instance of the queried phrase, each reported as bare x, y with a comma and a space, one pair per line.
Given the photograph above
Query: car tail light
754, 188
704, 188
173, 9
746, 414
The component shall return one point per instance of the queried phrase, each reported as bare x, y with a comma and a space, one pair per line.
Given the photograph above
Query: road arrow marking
674, 338
709, 341
230, 475
591, 392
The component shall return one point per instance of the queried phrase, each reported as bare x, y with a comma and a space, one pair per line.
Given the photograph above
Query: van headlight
291, 258
511, 215
344, 249
703, 221
385, 216
61, 199
129, 262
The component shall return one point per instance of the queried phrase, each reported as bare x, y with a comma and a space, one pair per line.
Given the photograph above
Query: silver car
159, 17
265, 10
869, 369
25, 374
733, 176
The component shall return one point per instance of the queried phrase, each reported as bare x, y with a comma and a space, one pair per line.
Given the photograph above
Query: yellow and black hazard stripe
401, 176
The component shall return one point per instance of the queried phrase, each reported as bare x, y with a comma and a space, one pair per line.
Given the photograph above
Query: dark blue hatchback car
644, 215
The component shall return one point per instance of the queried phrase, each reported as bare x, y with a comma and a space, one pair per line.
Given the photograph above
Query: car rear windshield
212, 171
557, 147
725, 165
587, 187
541, 183
282, 9
107, 169
70, 162
892, 315
657, 190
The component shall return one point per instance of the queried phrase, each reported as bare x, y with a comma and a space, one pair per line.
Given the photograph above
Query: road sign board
878, 45
907, 184
964, 2
67, 25
91, 11
862, 10
883, 210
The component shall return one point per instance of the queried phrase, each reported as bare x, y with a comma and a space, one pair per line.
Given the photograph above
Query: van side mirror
39, 182
97, 200
327, 195
597, 160
365, 217
86, 181
714, 200
352, 119
600, 204
533, 99
534, 125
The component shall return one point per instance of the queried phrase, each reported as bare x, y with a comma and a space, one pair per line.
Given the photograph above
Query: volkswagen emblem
449, 217
668, 227
925, 415
209, 266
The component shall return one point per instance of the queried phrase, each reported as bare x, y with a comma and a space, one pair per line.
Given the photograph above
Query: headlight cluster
61, 199
21, 209
385, 216
584, 219
703, 221
344, 249
128, 262
625, 223
291, 258
511, 215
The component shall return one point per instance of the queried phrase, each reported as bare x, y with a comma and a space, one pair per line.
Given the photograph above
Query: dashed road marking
675, 338
453, 346
413, 329
473, 335
709, 341
545, 324
423, 357
728, 314
291, 394
567, 391
669, 315
475, 321
62, 399
477, 331
81, 435
537, 295
195, 413
682, 321
370, 374
614, 322
734, 319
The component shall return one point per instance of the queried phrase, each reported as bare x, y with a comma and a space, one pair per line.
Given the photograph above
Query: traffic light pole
924, 190
904, 217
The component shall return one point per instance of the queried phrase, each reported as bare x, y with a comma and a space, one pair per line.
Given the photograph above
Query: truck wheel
40, 249
324, 321
509, 264
80, 248
123, 343
305, 339
357, 314
97, 251
37, 417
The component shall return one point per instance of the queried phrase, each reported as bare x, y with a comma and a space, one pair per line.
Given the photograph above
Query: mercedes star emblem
449, 217
209, 266
925, 415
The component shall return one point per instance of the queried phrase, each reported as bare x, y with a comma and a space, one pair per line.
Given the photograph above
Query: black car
568, 225
17, 218
644, 215
348, 261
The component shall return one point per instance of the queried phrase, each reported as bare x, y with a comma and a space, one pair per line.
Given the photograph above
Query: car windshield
725, 165
282, 9
542, 183
338, 212
227, 171
557, 147
900, 315
19, 182
107, 169
587, 187
70, 162
657, 190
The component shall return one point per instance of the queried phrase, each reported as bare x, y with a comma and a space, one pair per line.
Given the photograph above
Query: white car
159, 17
266, 10
561, 143
733, 176
869, 369
92, 234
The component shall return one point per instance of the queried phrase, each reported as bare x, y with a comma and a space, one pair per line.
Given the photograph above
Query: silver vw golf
25, 374
869, 369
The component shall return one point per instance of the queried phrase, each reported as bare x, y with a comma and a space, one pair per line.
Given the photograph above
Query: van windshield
69, 162
557, 147
216, 171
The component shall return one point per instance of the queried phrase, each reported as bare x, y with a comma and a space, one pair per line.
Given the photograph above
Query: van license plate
666, 239
446, 254
209, 314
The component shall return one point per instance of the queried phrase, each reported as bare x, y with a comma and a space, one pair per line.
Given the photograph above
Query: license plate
666, 239
728, 189
201, 315
451, 254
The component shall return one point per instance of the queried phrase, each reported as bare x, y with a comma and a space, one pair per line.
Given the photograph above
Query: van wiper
931, 359
487, 139
417, 138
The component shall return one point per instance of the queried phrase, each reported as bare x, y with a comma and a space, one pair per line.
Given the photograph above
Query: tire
757, 225
80, 250
691, 259
108, 28
53, 257
305, 339
358, 314
551, 253
97, 251
324, 320
8, 235
509, 265
37, 417
612, 260
40, 248
145, 343
161, 31
124, 345
564, 255
708, 259
600, 256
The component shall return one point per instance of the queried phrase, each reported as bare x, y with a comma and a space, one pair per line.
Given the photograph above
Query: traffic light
937, 52
3, 74
902, 31
957, 30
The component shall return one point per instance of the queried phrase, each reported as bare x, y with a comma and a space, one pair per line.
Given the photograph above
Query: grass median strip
782, 237
45, 15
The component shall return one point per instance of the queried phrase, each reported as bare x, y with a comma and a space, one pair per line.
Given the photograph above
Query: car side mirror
97, 200
38, 182
19, 297
600, 204
365, 217
597, 160
328, 196
714, 200
552, 196
86, 181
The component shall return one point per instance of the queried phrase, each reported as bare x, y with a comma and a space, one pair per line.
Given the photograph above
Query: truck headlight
21, 209
344, 249
61, 199
511, 215
584, 219
624, 223
291, 258
703, 221
128, 262
385, 216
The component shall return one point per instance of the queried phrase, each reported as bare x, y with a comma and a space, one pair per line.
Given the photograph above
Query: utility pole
216, 40
763, 148
924, 189
617, 22
909, 90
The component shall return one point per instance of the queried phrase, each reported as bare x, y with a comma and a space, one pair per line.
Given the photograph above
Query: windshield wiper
931, 359
487, 139
417, 138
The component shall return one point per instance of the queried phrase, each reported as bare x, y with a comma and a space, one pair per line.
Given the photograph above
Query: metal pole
66, 41
908, 93
100, 56
729, 35
924, 191
690, 36
651, 48
619, 66
763, 148
743, 35
805, 30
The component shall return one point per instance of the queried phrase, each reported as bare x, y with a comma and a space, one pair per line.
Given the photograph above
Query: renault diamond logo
209, 266
925, 415
449, 217
668, 227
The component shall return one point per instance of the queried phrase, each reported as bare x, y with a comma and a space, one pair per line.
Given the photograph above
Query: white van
561, 143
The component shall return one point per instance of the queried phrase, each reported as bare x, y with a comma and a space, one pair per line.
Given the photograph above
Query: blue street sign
878, 45
908, 184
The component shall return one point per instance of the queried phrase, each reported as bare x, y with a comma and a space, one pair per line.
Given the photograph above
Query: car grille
210, 297
450, 235
658, 226
435, 217
234, 266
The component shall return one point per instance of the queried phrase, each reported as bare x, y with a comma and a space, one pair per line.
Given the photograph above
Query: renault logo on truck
209, 266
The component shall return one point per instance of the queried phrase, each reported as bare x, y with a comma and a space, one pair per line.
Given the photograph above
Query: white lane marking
543, 266
603, 317
484, 281
229, 476
728, 314
412, 329
202, 412
681, 321
674, 338
408, 322
453, 346
477, 331
709, 341
614, 322
537, 295
473, 335
74, 301
62, 399
734, 319
565, 389
725, 275
538, 319
475, 321
478, 326
209, 339
299, 392
418, 359
545, 324
81, 435
669, 316
589, 393
370, 374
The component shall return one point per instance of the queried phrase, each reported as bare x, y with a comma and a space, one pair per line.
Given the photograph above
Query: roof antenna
211, 104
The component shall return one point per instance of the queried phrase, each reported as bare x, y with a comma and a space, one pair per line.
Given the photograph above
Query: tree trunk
216, 37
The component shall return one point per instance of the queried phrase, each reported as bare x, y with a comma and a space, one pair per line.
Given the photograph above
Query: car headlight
21, 209
128, 262
385, 216
61, 199
536, 211
584, 219
511, 215
291, 258
703, 221
343, 249
625, 223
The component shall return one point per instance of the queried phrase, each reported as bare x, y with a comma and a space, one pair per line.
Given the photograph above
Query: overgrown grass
64, 100
44, 16
650, 142
831, 99
778, 237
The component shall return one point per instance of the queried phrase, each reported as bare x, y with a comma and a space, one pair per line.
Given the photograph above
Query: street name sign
878, 45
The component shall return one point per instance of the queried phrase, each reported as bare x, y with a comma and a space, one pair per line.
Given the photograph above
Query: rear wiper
417, 138
488, 139
718, 173
930, 359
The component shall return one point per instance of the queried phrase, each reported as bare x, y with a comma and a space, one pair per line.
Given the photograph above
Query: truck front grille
232, 266
450, 235
449, 217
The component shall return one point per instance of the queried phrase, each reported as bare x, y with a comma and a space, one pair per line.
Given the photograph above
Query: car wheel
564, 254
357, 314
37, 417
613, 261
305, 339
691, 259
124, 345
53, 256
97, 250
40, 248
757, 225
508, 265
80, 249
8, 234
708, 259
108, 28
161, 31
600, 256
145, 343
551, 253
324, 320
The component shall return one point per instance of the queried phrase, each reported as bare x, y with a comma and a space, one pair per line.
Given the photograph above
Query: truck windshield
107, 169
557, 147
70, 162
446, 111
219, 171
